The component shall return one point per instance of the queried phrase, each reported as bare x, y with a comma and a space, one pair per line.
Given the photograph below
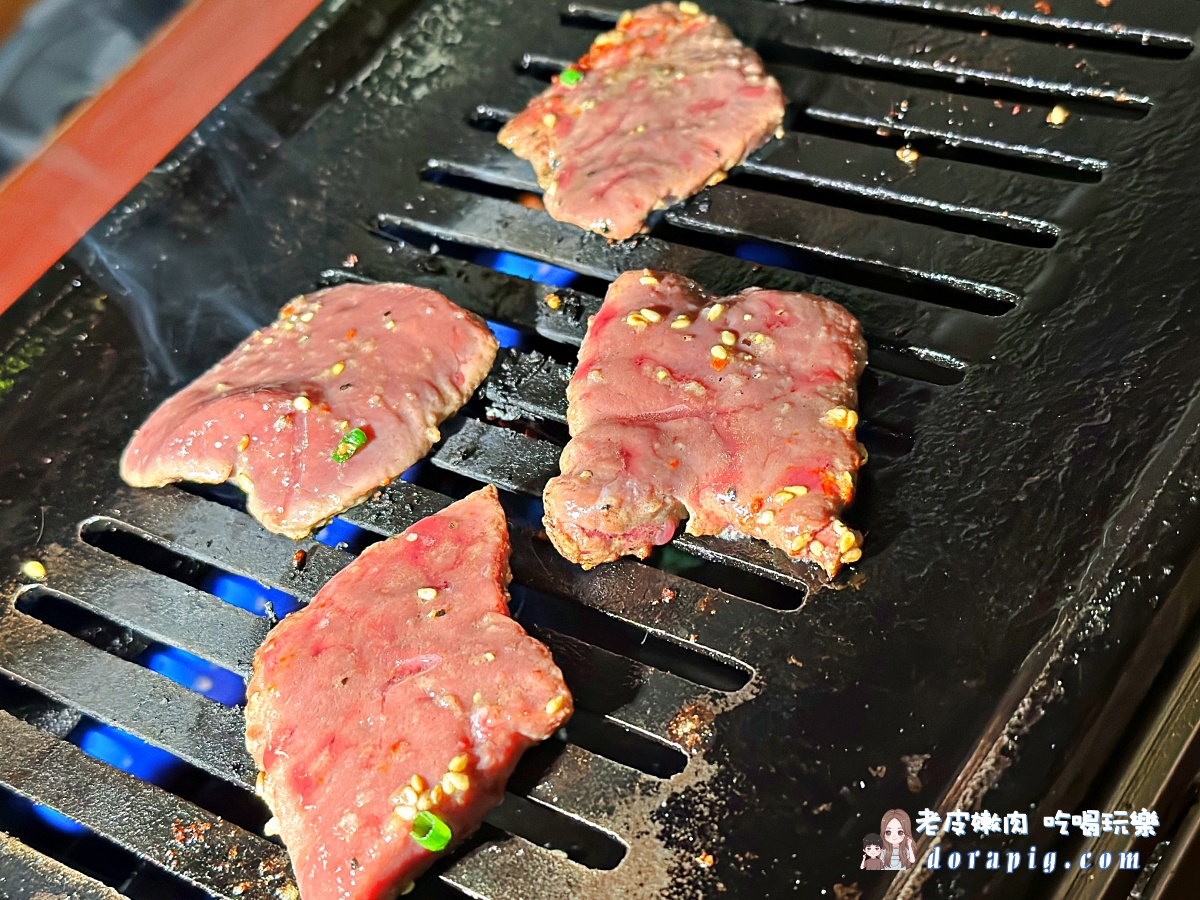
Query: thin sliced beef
404, 686
736, 412
390, 360
655, 110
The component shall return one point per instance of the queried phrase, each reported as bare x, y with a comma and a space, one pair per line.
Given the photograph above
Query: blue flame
524, 267
768, 255
248, 594
195, 673
507, 337
119, 749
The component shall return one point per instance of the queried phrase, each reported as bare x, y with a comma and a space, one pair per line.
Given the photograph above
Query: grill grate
728, 704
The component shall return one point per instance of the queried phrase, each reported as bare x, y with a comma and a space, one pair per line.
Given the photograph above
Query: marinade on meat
737, 413
658, 107
343, 392
403, 688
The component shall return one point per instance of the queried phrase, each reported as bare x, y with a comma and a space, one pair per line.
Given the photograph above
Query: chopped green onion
570, 77
350, 444
430, 832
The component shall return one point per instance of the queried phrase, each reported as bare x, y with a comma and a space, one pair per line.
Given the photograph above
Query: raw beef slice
403, 687
655, 110
735, 412
342, 393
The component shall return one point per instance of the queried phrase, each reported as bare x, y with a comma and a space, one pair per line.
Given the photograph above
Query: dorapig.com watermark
1011, 860
894, 848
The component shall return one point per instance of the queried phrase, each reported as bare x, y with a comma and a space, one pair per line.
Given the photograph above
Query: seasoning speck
302, 403
427, 593
33, 569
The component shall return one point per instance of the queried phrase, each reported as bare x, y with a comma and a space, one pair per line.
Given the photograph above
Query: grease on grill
691, 726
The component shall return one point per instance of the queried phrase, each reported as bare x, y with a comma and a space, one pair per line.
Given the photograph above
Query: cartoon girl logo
898, 850
872, 853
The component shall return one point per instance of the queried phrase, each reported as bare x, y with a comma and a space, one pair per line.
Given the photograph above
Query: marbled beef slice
737, 413
404, 687
658, 107
343, 392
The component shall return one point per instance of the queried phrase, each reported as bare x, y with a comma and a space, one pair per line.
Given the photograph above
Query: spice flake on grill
658, 108
742, 420
343, 392
384, 734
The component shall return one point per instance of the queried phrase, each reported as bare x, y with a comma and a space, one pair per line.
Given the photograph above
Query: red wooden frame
108, 145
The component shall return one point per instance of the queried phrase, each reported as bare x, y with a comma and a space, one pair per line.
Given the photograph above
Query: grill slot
159, 607
607, 633
575, 839
731, 211
176, 835
1150, 27
1079, 150
486, 222
56, 610
42, 875
140, 702
604, 737
841, 173
923, 55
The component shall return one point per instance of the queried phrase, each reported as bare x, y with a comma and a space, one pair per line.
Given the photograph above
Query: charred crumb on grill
553, 301
691, 726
